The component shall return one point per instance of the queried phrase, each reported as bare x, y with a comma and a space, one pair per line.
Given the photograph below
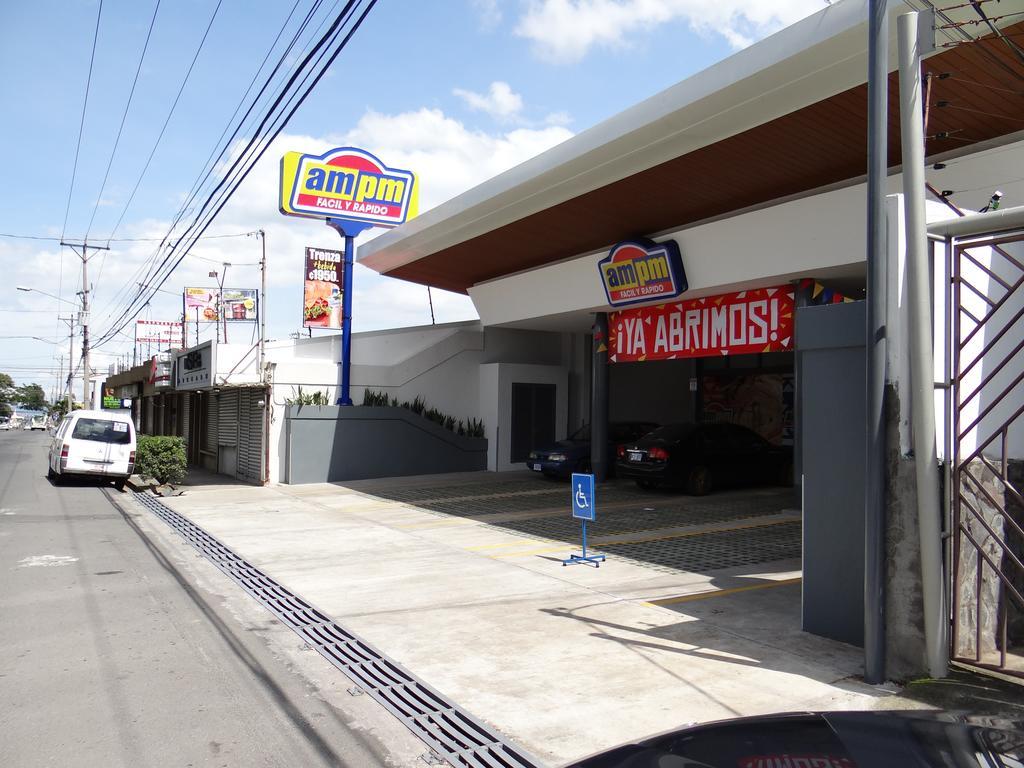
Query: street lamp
44, 293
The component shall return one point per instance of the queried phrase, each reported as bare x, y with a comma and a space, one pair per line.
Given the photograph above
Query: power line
248, 158
159, 137
81, 125
125, 239
124, 116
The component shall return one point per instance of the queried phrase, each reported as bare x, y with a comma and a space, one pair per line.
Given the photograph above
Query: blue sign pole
348, 230
584, 508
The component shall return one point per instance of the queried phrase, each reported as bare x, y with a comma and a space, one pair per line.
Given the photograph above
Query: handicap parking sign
583, 497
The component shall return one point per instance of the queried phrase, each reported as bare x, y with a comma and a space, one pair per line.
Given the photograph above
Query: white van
96, 443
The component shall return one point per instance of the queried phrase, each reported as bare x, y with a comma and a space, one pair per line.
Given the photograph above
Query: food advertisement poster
762, 402
239, 304
323, 291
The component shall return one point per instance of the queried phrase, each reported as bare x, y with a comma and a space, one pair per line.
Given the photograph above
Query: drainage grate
451, 733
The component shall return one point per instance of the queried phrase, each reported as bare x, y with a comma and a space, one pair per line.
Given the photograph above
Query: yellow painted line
630, 542
721, 592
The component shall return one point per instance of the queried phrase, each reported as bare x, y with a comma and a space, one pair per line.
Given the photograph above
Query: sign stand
348, 231
584, 509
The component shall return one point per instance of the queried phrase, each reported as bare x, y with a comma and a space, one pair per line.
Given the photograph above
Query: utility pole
86, 371
71, 353
263, 302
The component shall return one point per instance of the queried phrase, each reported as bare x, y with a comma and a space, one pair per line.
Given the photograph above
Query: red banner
731, 324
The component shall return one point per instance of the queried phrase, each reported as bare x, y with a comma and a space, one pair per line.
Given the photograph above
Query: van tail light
131, 463
657, 454
63, 456
620, 451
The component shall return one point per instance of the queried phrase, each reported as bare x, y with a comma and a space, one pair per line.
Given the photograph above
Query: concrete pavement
564, 661
120, 647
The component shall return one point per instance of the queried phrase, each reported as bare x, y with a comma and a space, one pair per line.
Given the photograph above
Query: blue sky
456, 91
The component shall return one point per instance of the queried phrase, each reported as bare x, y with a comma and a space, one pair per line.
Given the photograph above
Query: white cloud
488, 12
500, 101
566, 30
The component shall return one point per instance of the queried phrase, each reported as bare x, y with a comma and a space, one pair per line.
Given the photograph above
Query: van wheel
698, 483
55, 478
119, 484
49, 472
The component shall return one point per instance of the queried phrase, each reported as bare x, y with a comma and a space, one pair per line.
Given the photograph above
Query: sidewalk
565, 661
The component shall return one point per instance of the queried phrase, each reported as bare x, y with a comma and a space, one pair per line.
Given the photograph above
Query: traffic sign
583, 496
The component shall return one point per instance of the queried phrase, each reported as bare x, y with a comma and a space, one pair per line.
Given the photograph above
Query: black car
827, 739
573, 454
700, 457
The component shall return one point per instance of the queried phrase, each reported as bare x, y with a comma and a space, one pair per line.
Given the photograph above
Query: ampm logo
346, 183
642, 270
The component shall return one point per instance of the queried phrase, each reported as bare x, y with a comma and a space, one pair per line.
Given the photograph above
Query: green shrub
472, 428
309, 398
162, 458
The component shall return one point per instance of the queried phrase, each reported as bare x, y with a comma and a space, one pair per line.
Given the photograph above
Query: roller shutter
250, 436
186, 410
227, 418
210, 441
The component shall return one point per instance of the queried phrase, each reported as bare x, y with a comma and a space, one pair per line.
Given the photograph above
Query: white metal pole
922, 365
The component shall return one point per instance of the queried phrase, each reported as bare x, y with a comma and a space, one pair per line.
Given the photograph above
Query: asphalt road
113, 654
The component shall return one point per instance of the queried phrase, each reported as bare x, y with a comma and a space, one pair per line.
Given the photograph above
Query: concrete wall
331, 444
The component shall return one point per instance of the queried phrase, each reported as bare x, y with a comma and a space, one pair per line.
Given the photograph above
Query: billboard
201, 304
346, 183
323, 289
747, 322
164, 333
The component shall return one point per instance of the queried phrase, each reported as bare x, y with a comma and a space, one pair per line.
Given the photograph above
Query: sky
455, 90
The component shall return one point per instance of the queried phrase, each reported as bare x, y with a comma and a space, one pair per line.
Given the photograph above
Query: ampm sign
349, 184
642, 270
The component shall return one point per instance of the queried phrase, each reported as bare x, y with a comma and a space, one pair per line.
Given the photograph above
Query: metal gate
250, 435
986, 441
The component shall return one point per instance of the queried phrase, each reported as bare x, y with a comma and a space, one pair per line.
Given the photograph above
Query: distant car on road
5, 425
93, 443
701, 457
38, 423
828, 739
573, 454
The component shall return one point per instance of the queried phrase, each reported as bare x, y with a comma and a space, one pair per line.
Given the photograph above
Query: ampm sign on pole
584, 508
351, 190
346, 183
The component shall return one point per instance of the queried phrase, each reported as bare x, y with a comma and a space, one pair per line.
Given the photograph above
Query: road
114, 654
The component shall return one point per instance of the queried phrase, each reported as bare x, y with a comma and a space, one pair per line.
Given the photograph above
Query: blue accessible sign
584, 509
583, 496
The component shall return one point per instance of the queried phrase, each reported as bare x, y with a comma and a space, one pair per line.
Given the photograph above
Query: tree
31, 396
6, 394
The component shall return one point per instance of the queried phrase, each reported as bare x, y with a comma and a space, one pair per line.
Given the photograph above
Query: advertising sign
159, 332
642, 270
731, 324
201, 304
193, 368
323, 289
346, 183
111, 402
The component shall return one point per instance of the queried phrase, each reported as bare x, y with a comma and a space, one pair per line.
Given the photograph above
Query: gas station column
599, 457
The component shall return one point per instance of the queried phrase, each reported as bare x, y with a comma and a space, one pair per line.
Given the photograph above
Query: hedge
162, 458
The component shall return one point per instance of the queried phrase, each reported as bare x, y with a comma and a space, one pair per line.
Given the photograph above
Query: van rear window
102, 431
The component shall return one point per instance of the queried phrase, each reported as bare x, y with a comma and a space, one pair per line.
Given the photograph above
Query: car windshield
102, 431
671, 432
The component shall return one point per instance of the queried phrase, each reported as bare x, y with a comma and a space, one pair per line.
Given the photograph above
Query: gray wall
830, 343
330, 443
654, 390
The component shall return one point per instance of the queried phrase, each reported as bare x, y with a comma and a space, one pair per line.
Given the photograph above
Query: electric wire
120, 130
81, 124
248, 158
208, 168
170, 113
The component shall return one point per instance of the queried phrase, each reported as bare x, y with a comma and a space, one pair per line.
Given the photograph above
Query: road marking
597, 545
46, 561
721, 592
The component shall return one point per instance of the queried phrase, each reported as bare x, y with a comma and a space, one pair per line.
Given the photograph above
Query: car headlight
556, 457
533, 455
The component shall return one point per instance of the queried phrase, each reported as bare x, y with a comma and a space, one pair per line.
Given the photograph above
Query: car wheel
647, 485
698, 482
